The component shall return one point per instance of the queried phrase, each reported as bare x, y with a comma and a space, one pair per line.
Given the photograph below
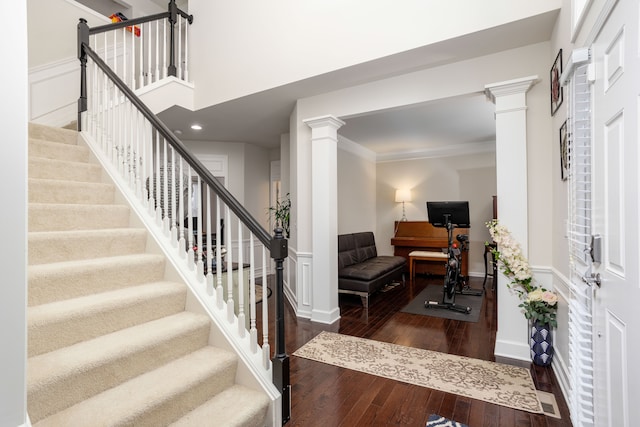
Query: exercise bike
450, 214
463, 287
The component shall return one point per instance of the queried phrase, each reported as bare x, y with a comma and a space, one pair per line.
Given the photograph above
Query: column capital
322, 121
509, 87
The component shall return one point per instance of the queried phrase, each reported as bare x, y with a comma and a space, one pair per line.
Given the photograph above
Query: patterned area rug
438, 421
505, 385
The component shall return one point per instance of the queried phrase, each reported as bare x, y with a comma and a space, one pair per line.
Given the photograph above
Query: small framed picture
556, 89
565, 154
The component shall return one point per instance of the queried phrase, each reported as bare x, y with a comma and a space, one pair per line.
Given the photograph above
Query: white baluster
200, 229
165, 189
165, 48
174, 198
230, 303
148, 81
210, 249
156, 179
190, 254
94, 99
124, 55
253, 332
115, 52
241, 290
266, 350
141, 52
186, 51
219, 289
157, 73
179, 58
139, 151
181, 242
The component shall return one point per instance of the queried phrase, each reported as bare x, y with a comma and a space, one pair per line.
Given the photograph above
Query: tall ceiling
456, 123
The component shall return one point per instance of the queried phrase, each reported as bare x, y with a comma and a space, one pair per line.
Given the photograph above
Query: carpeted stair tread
43, 168
58, 246
58, 150
109, 340
63, 323
65, 136
64, 377
72, 192
59, 217
156, 397
71, 279
237, 406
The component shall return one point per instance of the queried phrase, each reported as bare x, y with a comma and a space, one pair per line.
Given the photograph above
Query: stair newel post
173, 17
279, 251
83, 39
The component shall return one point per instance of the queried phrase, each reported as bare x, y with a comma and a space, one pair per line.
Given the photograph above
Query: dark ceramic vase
541, 344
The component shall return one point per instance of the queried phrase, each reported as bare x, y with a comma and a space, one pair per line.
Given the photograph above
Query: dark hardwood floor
324, 395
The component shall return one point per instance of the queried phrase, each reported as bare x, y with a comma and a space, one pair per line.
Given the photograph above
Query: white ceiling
457, 123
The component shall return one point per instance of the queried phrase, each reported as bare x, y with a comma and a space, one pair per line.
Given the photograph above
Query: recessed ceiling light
196, 127
177, 132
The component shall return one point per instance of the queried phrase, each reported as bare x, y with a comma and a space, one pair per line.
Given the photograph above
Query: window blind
579, 234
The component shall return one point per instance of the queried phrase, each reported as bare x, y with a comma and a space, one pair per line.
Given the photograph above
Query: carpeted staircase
110, 342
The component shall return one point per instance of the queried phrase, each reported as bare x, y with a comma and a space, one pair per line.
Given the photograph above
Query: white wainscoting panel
53, 92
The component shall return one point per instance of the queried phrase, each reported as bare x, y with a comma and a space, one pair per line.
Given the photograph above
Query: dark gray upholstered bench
360, 270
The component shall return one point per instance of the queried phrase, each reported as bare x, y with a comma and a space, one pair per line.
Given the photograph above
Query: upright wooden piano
422, 236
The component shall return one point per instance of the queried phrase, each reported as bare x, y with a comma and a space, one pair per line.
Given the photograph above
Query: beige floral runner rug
505, 385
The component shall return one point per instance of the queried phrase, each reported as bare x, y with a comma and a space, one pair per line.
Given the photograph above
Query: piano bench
426, 256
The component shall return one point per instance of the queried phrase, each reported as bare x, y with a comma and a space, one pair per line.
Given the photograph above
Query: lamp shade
403, 196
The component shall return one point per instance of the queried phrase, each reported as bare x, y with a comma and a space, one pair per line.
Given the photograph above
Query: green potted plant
281, 212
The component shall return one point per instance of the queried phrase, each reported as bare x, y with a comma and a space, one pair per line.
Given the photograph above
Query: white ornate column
512, 338
324, 214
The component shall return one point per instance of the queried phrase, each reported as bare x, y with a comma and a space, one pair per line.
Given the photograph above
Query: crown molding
356, 149
433, 153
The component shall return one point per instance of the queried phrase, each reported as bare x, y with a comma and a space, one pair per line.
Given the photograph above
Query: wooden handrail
237, 208
276, 244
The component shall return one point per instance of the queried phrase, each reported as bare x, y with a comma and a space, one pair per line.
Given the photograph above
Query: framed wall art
565, 154
556, 89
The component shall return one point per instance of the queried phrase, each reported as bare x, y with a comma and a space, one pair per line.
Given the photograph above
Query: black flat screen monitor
456, 212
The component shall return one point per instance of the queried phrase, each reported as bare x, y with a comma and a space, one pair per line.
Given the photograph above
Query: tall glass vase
541, 344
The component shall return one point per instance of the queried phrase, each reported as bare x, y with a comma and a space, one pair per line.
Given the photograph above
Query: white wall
56, 20
13, 245
465, 177
235, 153
286, 41
248, 178
461, 78
356, 193
256, 183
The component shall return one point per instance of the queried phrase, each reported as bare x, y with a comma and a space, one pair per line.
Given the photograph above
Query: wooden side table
494, 265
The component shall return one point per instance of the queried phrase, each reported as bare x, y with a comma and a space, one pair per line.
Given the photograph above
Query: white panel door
616, 94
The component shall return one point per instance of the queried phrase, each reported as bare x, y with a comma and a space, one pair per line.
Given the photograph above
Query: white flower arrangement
537, 303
